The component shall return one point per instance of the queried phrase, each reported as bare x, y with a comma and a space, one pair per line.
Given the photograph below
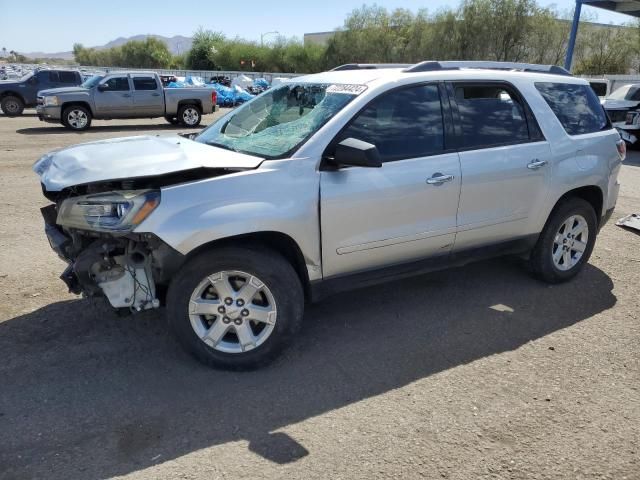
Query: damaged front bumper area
131, 270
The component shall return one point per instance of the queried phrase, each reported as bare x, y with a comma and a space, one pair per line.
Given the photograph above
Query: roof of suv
361, 77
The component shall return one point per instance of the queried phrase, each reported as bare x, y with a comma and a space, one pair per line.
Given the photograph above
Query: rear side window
117, 84
576, 106
67, 77
402, 124
144, 83
54, 77
490, 115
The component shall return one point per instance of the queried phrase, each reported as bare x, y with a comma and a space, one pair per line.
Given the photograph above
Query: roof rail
370, 66
431, 66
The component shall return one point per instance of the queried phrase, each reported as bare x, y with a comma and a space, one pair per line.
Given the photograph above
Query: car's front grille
617, 115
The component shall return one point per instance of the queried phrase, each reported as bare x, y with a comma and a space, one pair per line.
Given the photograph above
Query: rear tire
76, 118
239, 331
566, 242
189, 115
12, 106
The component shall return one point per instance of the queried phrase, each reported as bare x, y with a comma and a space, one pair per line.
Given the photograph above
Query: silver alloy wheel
77, 119
12, 106
232, 311
570, 242
190, 116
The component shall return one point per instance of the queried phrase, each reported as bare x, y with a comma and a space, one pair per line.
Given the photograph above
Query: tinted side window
403, 123
53, 77
67, 77
490, 115
144, 83
117, 84
576, 106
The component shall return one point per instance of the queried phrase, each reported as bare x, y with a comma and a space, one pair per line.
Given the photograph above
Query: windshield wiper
221, 145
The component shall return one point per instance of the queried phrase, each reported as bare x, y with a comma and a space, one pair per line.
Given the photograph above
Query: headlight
51, 101
108, 212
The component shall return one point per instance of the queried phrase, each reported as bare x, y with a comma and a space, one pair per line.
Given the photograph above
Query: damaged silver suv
329, 182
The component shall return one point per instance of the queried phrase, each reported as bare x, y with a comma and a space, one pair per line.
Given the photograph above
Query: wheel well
194, 102
591, 194
275, 241
12, 94
72, 104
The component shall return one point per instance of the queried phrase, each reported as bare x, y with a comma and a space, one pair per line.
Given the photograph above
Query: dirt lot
478, 372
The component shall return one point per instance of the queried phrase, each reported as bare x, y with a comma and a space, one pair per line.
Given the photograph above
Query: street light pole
262, 35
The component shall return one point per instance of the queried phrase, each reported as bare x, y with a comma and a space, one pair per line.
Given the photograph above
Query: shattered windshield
278, 121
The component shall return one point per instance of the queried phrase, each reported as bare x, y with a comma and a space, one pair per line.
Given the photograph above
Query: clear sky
54, 26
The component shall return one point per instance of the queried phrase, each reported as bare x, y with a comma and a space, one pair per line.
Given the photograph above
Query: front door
505, 164
114, 99
403, 211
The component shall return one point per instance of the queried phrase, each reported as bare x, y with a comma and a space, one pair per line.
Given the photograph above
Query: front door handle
155, 94
126, 95
536, 164
439, 179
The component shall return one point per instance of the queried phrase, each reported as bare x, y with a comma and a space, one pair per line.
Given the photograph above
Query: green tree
203, 50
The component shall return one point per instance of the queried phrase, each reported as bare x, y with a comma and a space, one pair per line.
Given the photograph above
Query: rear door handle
127, 95
536, 164
155, 94
439, 179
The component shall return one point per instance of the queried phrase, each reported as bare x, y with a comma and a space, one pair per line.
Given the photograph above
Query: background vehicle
16, 95
329, 182
623, 108
124, 95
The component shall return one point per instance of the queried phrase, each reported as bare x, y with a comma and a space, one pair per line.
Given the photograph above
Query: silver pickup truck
124, 95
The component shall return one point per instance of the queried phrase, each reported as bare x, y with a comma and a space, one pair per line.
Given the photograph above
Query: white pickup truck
124, 95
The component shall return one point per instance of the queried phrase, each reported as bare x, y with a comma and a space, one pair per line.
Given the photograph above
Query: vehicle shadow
48, 130
91, 395
633, 157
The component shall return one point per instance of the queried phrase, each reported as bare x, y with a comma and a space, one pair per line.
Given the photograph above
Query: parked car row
61, 96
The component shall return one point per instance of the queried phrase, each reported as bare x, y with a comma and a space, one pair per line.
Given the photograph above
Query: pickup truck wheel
76, 118
172, 120
566, 242
12, 106
235, 308
189, 115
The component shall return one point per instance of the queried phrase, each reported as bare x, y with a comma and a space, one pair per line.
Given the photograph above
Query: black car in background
16, 95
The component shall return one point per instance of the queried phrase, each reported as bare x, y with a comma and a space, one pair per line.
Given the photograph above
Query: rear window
144, 83
491, 115
576, 106
67, 77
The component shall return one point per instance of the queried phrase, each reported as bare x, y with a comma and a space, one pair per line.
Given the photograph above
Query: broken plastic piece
630, 222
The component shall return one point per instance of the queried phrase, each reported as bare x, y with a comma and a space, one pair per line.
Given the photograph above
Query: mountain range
177, 44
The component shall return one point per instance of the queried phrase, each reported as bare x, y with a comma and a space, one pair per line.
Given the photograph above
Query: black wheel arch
76, 103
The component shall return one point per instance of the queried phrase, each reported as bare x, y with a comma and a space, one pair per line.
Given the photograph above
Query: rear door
147, 96
69, 79
405, 210
114, 99
504, 160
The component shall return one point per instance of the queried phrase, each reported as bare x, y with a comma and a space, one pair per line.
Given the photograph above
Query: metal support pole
573, 35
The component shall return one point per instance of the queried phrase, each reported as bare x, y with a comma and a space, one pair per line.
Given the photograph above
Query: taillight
214, 97
622, 149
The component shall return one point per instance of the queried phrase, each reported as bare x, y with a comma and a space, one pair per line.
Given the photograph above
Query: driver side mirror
352, 152
102, 87
33, 80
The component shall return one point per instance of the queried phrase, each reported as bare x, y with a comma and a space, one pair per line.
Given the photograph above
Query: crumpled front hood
133, 157
610, 104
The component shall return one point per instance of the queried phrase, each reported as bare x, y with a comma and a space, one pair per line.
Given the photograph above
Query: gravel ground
473, 373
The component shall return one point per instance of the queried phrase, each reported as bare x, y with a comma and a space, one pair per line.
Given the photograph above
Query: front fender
261, 200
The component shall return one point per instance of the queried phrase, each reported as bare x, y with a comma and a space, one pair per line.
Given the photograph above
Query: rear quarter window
576, 106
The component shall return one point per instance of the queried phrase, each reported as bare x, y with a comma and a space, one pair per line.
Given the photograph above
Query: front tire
235, 308
77, 118
189, 116
12, 106
566, 242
